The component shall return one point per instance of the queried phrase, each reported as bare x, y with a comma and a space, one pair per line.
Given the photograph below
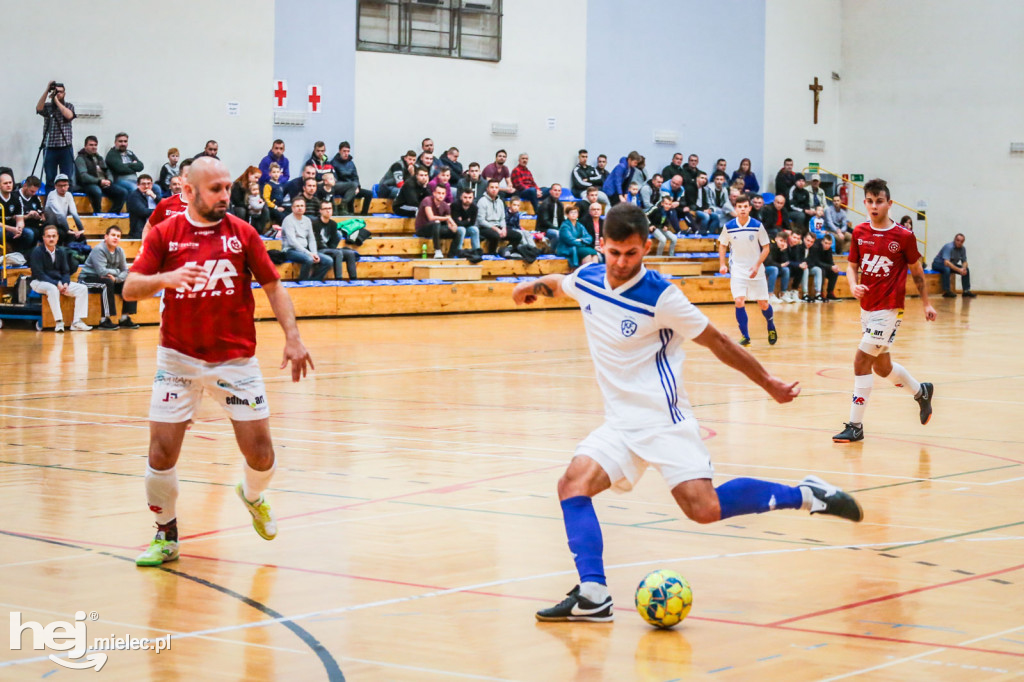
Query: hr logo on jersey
875, 264
628, 327
217, 270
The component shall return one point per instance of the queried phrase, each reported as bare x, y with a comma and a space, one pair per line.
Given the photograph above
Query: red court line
353, 505
880, 638
897, 595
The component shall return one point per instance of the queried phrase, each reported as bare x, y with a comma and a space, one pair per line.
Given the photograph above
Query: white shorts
750, 289
880, 327
237, 385
677, 452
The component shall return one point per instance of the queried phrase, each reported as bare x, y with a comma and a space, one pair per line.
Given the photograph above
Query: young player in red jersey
880, 254
204, 261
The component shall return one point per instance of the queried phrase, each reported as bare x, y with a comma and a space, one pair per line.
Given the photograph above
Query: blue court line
768, 658
718, 670
49, 673
911, 625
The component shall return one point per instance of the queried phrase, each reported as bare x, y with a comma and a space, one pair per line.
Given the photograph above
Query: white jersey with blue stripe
636, 334
747, 242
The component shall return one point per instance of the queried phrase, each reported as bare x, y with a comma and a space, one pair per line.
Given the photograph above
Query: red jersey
212, 321
169, 206
883, 257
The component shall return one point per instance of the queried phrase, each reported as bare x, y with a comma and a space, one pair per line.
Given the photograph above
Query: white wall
400, 99
803, 39
933, 94
163, 72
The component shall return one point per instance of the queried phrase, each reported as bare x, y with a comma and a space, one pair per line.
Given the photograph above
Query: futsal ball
663, 598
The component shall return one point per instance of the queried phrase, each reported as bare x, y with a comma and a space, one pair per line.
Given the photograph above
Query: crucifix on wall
816, 88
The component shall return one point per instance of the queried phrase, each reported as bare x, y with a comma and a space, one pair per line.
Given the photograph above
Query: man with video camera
59, 156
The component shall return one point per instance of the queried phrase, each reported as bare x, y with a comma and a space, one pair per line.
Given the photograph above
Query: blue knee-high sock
769, 315
585, 541
741, 317
754, 496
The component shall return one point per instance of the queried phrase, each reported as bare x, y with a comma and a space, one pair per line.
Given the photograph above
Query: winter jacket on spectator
798, 199
698, 198
396, 176
344, 171
456, 167
749, 181
90, 169
123, 169
774, 220
818, 256
281, 161
550, 215
618, 182
321, 164
478, 188
783, 181
670, 171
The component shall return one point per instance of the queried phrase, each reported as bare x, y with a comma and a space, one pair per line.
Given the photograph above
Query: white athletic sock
162, 493
862, 384
900, 378
255, 482
594, 592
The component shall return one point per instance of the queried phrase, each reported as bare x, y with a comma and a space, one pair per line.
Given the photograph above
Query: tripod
42, 143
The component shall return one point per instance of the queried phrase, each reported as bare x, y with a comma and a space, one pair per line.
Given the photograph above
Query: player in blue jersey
636, 322
750, 246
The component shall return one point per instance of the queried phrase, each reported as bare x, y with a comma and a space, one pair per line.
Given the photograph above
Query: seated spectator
299, 243
464, 213
451, 159
798, 204
490, 216
785, 179
168, 170
795, 256
720, 170
674, 168
524, 184
775, 264
59, 205
31, 207
691, 171
471, 181
744, 173
327, 191
348, 182
51, 278
681, 213
756, 206
633, 196
123, 164
640, 174
589, 199
838, 224
551, 214
952, 260
319, 160
400, 171
575, 243
907, 222
95, 180
273, 195
816, 193
210, 149
698, 199
518, 236
720, 202
434, 221
500, 172
239, 196
330, 242
257, 212
412, 194
172, 205
816, 224
775, 218
141, 202
443, 179
106, 269
664, 225
312, 193
426, 157
296, 186
19, 238
602, 175
593, 221
275, 155
616, 186
650, 193
820, 258
585, 176
810, 266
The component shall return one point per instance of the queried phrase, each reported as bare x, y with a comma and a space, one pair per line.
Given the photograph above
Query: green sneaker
262, 516
773, 337
160, 551
744, 341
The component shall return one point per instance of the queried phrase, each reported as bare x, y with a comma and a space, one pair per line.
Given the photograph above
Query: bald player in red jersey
880, 255
204, 261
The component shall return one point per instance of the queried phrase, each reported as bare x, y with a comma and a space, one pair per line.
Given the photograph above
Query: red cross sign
280, 94
314, 99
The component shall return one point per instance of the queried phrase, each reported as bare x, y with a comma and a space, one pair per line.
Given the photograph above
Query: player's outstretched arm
526, 293
917, 272
294, 350
731, 354
138, 286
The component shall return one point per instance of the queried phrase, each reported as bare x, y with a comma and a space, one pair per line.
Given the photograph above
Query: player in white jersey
750, 246
636, 322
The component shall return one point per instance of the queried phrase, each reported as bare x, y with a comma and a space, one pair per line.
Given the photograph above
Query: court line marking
75, 557
432, 671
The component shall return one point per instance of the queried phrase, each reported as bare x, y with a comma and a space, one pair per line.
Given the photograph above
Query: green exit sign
814, 166
857, 177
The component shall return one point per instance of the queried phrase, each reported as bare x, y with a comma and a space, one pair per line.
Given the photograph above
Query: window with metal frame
462, 29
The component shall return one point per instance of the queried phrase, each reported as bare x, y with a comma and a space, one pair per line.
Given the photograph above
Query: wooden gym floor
419, 529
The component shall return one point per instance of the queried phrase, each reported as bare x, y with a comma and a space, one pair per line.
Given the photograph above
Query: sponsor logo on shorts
165, 377
628, 328
587, 310
258, 403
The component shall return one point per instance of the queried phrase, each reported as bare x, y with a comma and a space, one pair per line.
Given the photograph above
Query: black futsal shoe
924, 399
852, 433
576, 607
828, 499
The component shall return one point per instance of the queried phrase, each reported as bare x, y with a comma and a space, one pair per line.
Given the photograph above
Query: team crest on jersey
894, 246
628, 327
233, 244
752, 237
